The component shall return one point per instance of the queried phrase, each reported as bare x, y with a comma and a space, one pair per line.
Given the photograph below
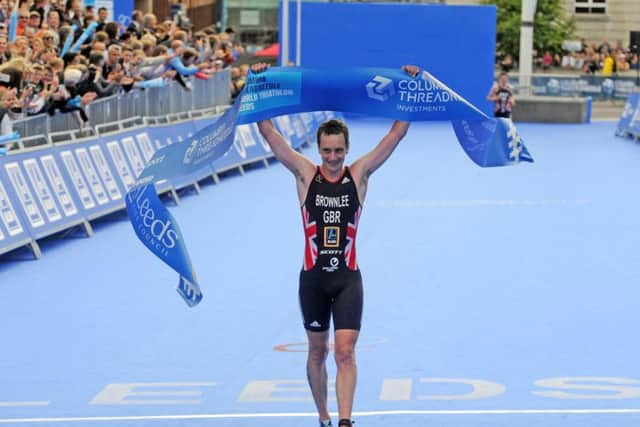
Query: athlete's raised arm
301, 167
362, 168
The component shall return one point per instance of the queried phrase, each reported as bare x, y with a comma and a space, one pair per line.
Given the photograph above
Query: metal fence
151, 102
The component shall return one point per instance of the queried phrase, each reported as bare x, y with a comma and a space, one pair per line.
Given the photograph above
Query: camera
92, 72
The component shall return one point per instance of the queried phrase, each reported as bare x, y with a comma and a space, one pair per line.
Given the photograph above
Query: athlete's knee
345, 355
318, 351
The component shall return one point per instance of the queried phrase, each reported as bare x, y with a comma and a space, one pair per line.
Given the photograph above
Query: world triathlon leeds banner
373, 91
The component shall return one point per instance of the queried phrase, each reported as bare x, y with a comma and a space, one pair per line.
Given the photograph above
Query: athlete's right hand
259, 67
412, 70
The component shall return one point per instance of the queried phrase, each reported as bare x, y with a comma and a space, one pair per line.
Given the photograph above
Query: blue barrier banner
12, 231
28, 203
630, 108
105, 169
146, 146
84, 180
53, 188
292, 128
277, 91
246, 146
597, 87
309, 122
164, 135
40, 193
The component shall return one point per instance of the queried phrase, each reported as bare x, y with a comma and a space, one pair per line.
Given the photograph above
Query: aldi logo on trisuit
331, 237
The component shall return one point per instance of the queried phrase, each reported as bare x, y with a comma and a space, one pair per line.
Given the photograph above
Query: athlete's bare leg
345, 354
317, 370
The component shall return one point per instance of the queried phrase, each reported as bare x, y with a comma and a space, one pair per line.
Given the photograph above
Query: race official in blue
331, 196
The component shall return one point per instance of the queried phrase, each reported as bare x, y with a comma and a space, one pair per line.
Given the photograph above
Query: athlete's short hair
333, 127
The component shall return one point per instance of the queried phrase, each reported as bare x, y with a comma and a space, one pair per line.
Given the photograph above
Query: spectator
8, 104
620, 57
579, 61
149, 23
609, 65
33, 25
604, 47
21, 48
5, 55
5, 11
237, 82
112, 64
547, 61
506, 64
54, 20
89, 18
73, 14
136, 26
42, 7
23, 21
112, 29
63, 94
103, 15
92, 82
177, 9
37, 96
37, 44
592, 61
32, 65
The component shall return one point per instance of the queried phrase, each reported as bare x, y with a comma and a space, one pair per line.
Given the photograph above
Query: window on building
595, 7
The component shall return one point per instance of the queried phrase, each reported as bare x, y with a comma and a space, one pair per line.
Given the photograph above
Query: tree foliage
552, 26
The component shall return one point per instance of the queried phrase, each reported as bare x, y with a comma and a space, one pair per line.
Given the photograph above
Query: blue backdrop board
425, 34
122, 10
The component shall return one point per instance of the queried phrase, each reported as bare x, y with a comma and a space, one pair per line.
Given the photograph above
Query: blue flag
68, 40
83, 37
373, 91
629, 115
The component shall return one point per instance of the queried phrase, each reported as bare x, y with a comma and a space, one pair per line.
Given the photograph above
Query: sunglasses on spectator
24, 17
47, 38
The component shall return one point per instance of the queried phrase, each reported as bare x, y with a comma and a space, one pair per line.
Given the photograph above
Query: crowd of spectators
58, 56
587, 58
605, 59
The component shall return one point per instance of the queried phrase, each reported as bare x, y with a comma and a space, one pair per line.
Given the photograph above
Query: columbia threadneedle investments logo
188, 155
380, 88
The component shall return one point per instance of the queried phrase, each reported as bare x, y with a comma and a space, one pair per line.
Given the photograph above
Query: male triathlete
331, 197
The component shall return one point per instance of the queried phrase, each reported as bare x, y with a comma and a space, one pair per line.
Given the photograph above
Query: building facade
597, 20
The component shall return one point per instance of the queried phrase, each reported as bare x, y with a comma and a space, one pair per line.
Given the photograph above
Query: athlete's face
333, 150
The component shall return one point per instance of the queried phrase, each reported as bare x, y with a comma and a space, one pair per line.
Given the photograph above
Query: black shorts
324, 295
503, 114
